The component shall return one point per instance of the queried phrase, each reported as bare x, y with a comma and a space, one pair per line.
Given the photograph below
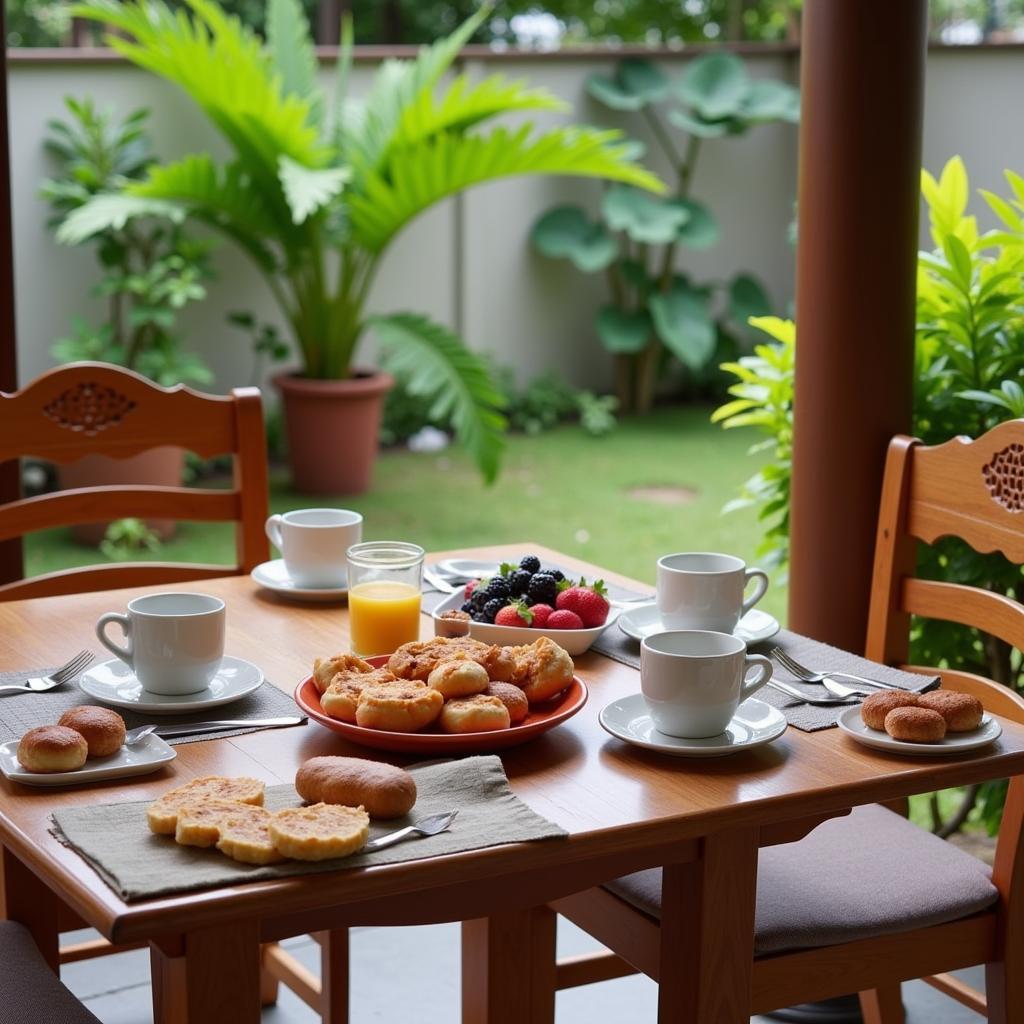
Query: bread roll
460, 677
475, 714
915, 725
961, 711
878, 705
405, 706
102, 728
513, 698
384, 790
52, 748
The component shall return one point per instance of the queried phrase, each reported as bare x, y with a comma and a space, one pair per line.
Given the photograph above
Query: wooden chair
975, 491
93, 408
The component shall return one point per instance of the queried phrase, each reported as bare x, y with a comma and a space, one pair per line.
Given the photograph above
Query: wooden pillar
862, 85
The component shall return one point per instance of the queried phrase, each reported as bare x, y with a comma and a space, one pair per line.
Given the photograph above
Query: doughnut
475, 714
961, 711
460, 677
542, 669
384, 790
52, 748
512, 697
915, 725
162, 814
403, 706
452, 623
245, 836
341, 698
199, 820
325, 669
319, 832
102, 728
878, 705
418, 659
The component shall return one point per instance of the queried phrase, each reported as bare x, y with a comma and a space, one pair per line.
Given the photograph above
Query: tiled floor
116, 989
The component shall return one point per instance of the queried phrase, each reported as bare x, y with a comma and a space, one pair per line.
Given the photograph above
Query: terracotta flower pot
332, 428
159, 466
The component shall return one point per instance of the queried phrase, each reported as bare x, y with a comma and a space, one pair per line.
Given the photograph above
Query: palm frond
418, 176
111, 211
308, 189
291, 53
435, 363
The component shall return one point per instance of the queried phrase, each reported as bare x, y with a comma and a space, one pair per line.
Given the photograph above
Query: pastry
198, 822
384, 790
52, 748
475, 714
878, 705
245, 836
325, 669
402, 706
961, 711
102, 728
418, 659
341, 698
162, 814
452, 623
915, 725
319, 832
513, 698
542, 669
459, 677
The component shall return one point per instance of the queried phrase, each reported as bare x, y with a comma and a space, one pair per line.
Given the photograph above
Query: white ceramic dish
274, 576
148, 755
467, 568
575, 641
954, 743
113, 682
754, 724
643, 621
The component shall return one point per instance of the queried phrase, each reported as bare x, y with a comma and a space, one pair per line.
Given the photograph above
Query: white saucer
113, 682
644, 621
274, 576
754, 724
953, 743
148, 755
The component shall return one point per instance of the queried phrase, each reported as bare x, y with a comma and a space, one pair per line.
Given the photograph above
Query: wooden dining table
625, 809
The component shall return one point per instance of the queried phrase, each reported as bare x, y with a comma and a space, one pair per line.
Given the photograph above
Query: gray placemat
614, 644
137, 864
19, 713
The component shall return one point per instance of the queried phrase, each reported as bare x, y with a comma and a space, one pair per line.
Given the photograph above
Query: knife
195, 728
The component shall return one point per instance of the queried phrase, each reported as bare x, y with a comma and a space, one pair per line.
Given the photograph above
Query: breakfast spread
384, 790
82, 732
922, 718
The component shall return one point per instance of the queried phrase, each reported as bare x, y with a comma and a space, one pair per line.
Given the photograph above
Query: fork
40, 684
806, 675
431, 826
792, 691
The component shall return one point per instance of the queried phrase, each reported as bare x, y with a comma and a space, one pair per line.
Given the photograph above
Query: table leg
168, 980
29, 901
508, 968
707, 932
334, 977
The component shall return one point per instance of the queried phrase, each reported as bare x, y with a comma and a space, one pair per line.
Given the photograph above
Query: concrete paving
116, 988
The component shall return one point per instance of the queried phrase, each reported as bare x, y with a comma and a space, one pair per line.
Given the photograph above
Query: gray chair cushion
867, 874
29, 990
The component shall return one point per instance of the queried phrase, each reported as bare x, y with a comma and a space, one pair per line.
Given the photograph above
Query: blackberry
531, 563
543, 589
478, 616
519, 582
497, 586
467, 606
557, 573
479, 599
492, 608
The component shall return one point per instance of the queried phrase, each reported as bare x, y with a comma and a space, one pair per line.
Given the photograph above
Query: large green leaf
715, 85
622, 331
697, 126
566, 232
112, 211
645, 218
700, 230
768, 100
436, 364
684, 324
292, 54
416, 177
748, 299
636, 83
308, 189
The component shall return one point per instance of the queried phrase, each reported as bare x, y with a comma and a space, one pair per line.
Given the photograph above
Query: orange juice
383, 615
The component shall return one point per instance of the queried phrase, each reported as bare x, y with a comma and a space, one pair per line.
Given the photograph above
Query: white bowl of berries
519, 603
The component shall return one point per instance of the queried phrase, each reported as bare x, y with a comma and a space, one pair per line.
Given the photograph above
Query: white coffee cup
314, 542
704, 590
175, 642
694, 680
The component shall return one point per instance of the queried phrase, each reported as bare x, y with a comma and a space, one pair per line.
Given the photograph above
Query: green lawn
564, 489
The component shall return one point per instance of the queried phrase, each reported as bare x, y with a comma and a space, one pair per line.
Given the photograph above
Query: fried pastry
542, 669
200, 819
915, 725
418, 659
102, 728
325, 669
961, 711
402, 706
878, 705
513, 698
341, 698
479, 713
245, 836
162, 814
459, 677
319, 832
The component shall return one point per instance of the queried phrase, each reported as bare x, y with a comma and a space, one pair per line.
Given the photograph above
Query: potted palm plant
318, 186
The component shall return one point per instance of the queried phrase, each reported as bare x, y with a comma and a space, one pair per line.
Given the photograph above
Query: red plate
541, 718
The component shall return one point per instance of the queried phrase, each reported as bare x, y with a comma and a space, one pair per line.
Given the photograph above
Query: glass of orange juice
384, 583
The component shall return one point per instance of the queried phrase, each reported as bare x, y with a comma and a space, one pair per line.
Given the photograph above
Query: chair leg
882, 1005
333, 976
269, 984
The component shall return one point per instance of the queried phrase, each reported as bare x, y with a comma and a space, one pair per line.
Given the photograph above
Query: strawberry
564, 619
587, 601
470, 587
516, 614
541, 612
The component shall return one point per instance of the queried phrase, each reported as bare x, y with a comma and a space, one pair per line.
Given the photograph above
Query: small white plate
274, 576
954, 743
644, 621
754, 724
146, 756
113, 682
467, 568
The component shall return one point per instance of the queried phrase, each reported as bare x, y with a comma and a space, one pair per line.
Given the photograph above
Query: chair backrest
973, 490
94, 408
